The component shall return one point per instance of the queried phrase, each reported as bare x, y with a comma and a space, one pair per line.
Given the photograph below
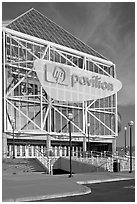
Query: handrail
124, 161
47, 161
44, 160
48, 157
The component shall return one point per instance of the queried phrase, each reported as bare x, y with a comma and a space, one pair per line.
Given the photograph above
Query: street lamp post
13, 123
88, 138
125, 128
70, 116
131, 123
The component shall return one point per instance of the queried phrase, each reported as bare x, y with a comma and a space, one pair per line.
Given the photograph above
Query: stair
22, 165
35, 165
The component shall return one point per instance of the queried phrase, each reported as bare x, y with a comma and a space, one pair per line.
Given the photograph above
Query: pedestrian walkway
37, 186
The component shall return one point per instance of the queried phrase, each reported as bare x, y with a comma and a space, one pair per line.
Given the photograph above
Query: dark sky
108, 27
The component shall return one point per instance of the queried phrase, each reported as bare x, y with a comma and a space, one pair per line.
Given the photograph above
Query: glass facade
31, 107
27, 102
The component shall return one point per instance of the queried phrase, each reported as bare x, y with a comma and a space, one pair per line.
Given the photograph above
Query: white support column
4, 86
84, 126
116, 120
29, 151
76, 151
55, 151
20, 150
114, 144
65, 151
26, 151
60, 151
68, 151
72, 151
83, 112
41, 108
10, 150
104, 153
50, 122
85, 140
92, 160
32, 150
15, 151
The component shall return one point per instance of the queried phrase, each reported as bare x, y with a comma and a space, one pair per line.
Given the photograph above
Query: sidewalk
37, 186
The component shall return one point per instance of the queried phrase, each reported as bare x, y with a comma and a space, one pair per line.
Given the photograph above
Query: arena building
47, 74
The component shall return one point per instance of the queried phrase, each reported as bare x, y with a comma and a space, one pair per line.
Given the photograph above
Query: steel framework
26, 101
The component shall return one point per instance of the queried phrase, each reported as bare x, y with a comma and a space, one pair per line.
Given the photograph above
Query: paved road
118, 191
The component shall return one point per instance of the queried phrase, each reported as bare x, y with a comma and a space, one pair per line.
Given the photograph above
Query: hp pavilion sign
67, 83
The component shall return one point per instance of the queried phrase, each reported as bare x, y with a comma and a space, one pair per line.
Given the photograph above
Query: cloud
109, 29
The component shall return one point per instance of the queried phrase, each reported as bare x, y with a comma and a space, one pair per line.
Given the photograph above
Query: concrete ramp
63, 163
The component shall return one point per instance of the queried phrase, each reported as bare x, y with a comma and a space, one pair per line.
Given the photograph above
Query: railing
105, 160
43, 159
99, 159
47, 159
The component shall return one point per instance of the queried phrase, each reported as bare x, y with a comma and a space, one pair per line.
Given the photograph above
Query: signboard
67, 83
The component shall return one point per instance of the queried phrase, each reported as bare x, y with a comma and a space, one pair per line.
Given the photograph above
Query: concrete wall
77, 166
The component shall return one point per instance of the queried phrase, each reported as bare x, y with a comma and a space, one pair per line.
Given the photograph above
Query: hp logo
59, 75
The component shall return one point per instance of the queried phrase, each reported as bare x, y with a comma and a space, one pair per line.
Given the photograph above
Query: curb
85, 190
103, 181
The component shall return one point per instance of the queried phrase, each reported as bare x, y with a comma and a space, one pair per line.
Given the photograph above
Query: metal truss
33, 109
